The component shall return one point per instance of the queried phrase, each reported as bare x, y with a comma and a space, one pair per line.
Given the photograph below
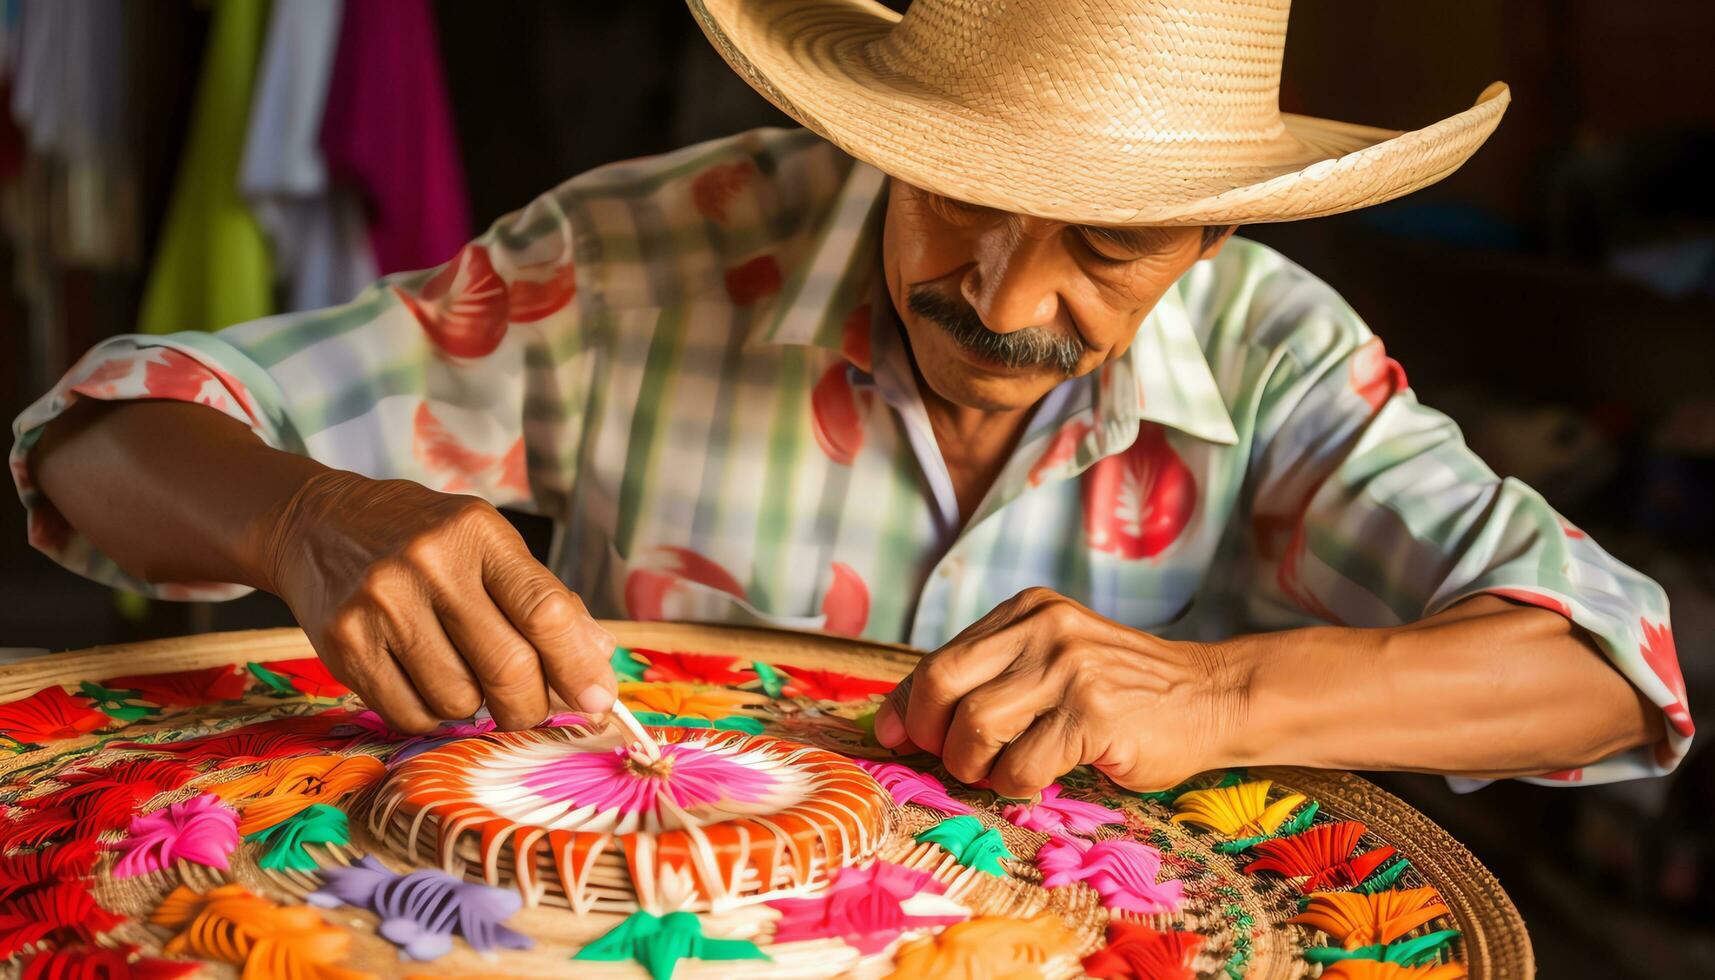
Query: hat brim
813, 59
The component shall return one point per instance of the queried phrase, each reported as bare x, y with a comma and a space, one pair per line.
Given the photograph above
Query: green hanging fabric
212, 268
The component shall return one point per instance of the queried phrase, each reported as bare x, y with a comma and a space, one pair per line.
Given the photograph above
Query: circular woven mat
1241, 918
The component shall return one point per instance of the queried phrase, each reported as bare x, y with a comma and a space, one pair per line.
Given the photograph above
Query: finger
443, 681
992, 716
576, 653
889, 717
357, 654
506, 665
1047, 750
953, 671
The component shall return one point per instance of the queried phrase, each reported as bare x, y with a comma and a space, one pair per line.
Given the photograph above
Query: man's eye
952, 210
1104, 251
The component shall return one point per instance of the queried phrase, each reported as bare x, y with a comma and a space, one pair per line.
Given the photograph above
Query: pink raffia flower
1054, 815
693, 777
202, 830
907, 785
868, 908
1121, 871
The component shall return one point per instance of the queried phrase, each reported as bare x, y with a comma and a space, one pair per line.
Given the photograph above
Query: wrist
285, 532
1283, 688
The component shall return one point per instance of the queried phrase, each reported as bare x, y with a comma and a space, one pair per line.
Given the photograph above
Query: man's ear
1214, 248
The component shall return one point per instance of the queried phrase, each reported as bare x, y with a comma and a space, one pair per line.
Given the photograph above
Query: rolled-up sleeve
1369, 510
449, 377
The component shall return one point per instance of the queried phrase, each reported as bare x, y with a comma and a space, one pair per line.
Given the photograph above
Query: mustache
1030, 347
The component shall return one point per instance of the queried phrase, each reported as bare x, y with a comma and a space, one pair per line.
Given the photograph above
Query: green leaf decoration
728, 723
1384, 878
1299, 823
626, 664
970, 843
773, 681
1419, 951
658, 943
116, 704
275, 683
316, 824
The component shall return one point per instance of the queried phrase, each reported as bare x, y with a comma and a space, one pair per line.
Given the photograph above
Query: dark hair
1212, 233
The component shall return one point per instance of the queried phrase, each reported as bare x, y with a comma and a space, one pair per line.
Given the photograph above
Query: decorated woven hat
1107, 112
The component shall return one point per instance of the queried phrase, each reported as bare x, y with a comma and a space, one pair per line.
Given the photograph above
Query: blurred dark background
1556, 296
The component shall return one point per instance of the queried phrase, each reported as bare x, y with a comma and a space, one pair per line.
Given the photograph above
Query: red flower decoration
463, 306
1658, 651
49, 715
697, 668
836, 415
714, 189
1137, 502
1322, 855
753, 281
830, 685
184, 688
543, 293
57, 911
660, 571
101, 963
309, 675
845, 606
71, 860
443, 454
276, 738
1375, 376
1537, 599
1137, 952
91, 802
1060, 450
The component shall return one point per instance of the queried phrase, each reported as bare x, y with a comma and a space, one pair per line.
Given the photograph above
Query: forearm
172, 491
1487, 689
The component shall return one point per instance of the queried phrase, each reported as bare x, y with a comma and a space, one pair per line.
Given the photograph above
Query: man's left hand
1042, 684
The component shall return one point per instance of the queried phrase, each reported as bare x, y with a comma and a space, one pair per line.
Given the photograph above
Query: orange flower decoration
281, 789
676, 698
268, 941
993, 946
1364, 920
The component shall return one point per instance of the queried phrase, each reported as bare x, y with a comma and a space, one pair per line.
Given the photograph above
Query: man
1156, 494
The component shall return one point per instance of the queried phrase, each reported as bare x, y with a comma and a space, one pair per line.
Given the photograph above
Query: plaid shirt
688, 363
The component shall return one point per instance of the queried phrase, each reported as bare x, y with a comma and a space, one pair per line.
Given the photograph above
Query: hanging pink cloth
387, 130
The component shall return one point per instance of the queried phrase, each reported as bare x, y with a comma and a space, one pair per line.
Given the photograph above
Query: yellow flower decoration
680, 698
1364, 920
994, 947
1237, 811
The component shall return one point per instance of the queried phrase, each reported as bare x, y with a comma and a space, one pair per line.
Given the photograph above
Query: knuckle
550, 611
934, 677
513, 670
455, 700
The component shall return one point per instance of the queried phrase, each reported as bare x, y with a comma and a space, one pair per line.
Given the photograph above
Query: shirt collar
1162, 378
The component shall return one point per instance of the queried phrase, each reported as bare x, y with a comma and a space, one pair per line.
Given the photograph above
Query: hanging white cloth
318, 233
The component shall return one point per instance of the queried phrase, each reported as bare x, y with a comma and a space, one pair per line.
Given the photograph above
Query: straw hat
1113, 112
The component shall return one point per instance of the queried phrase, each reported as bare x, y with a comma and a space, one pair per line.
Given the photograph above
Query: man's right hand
428, 604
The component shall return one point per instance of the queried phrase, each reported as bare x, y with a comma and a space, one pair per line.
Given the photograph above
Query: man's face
1000, 308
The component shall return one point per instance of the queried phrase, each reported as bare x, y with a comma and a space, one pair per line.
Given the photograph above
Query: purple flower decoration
420, 911
907, 785
1054, 815
201, 829
1121, 871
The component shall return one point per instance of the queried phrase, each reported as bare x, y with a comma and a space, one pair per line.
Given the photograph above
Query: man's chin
987, 391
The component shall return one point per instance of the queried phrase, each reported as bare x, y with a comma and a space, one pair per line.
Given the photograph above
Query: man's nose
1014, 282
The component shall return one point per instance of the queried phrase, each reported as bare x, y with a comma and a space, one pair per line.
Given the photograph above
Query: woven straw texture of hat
1239, 919
1108, 112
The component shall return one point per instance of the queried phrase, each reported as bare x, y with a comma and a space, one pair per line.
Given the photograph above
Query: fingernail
889, 730
595, 699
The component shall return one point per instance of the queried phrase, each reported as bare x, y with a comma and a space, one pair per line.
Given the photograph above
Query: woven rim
1495, 942
1150, 113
